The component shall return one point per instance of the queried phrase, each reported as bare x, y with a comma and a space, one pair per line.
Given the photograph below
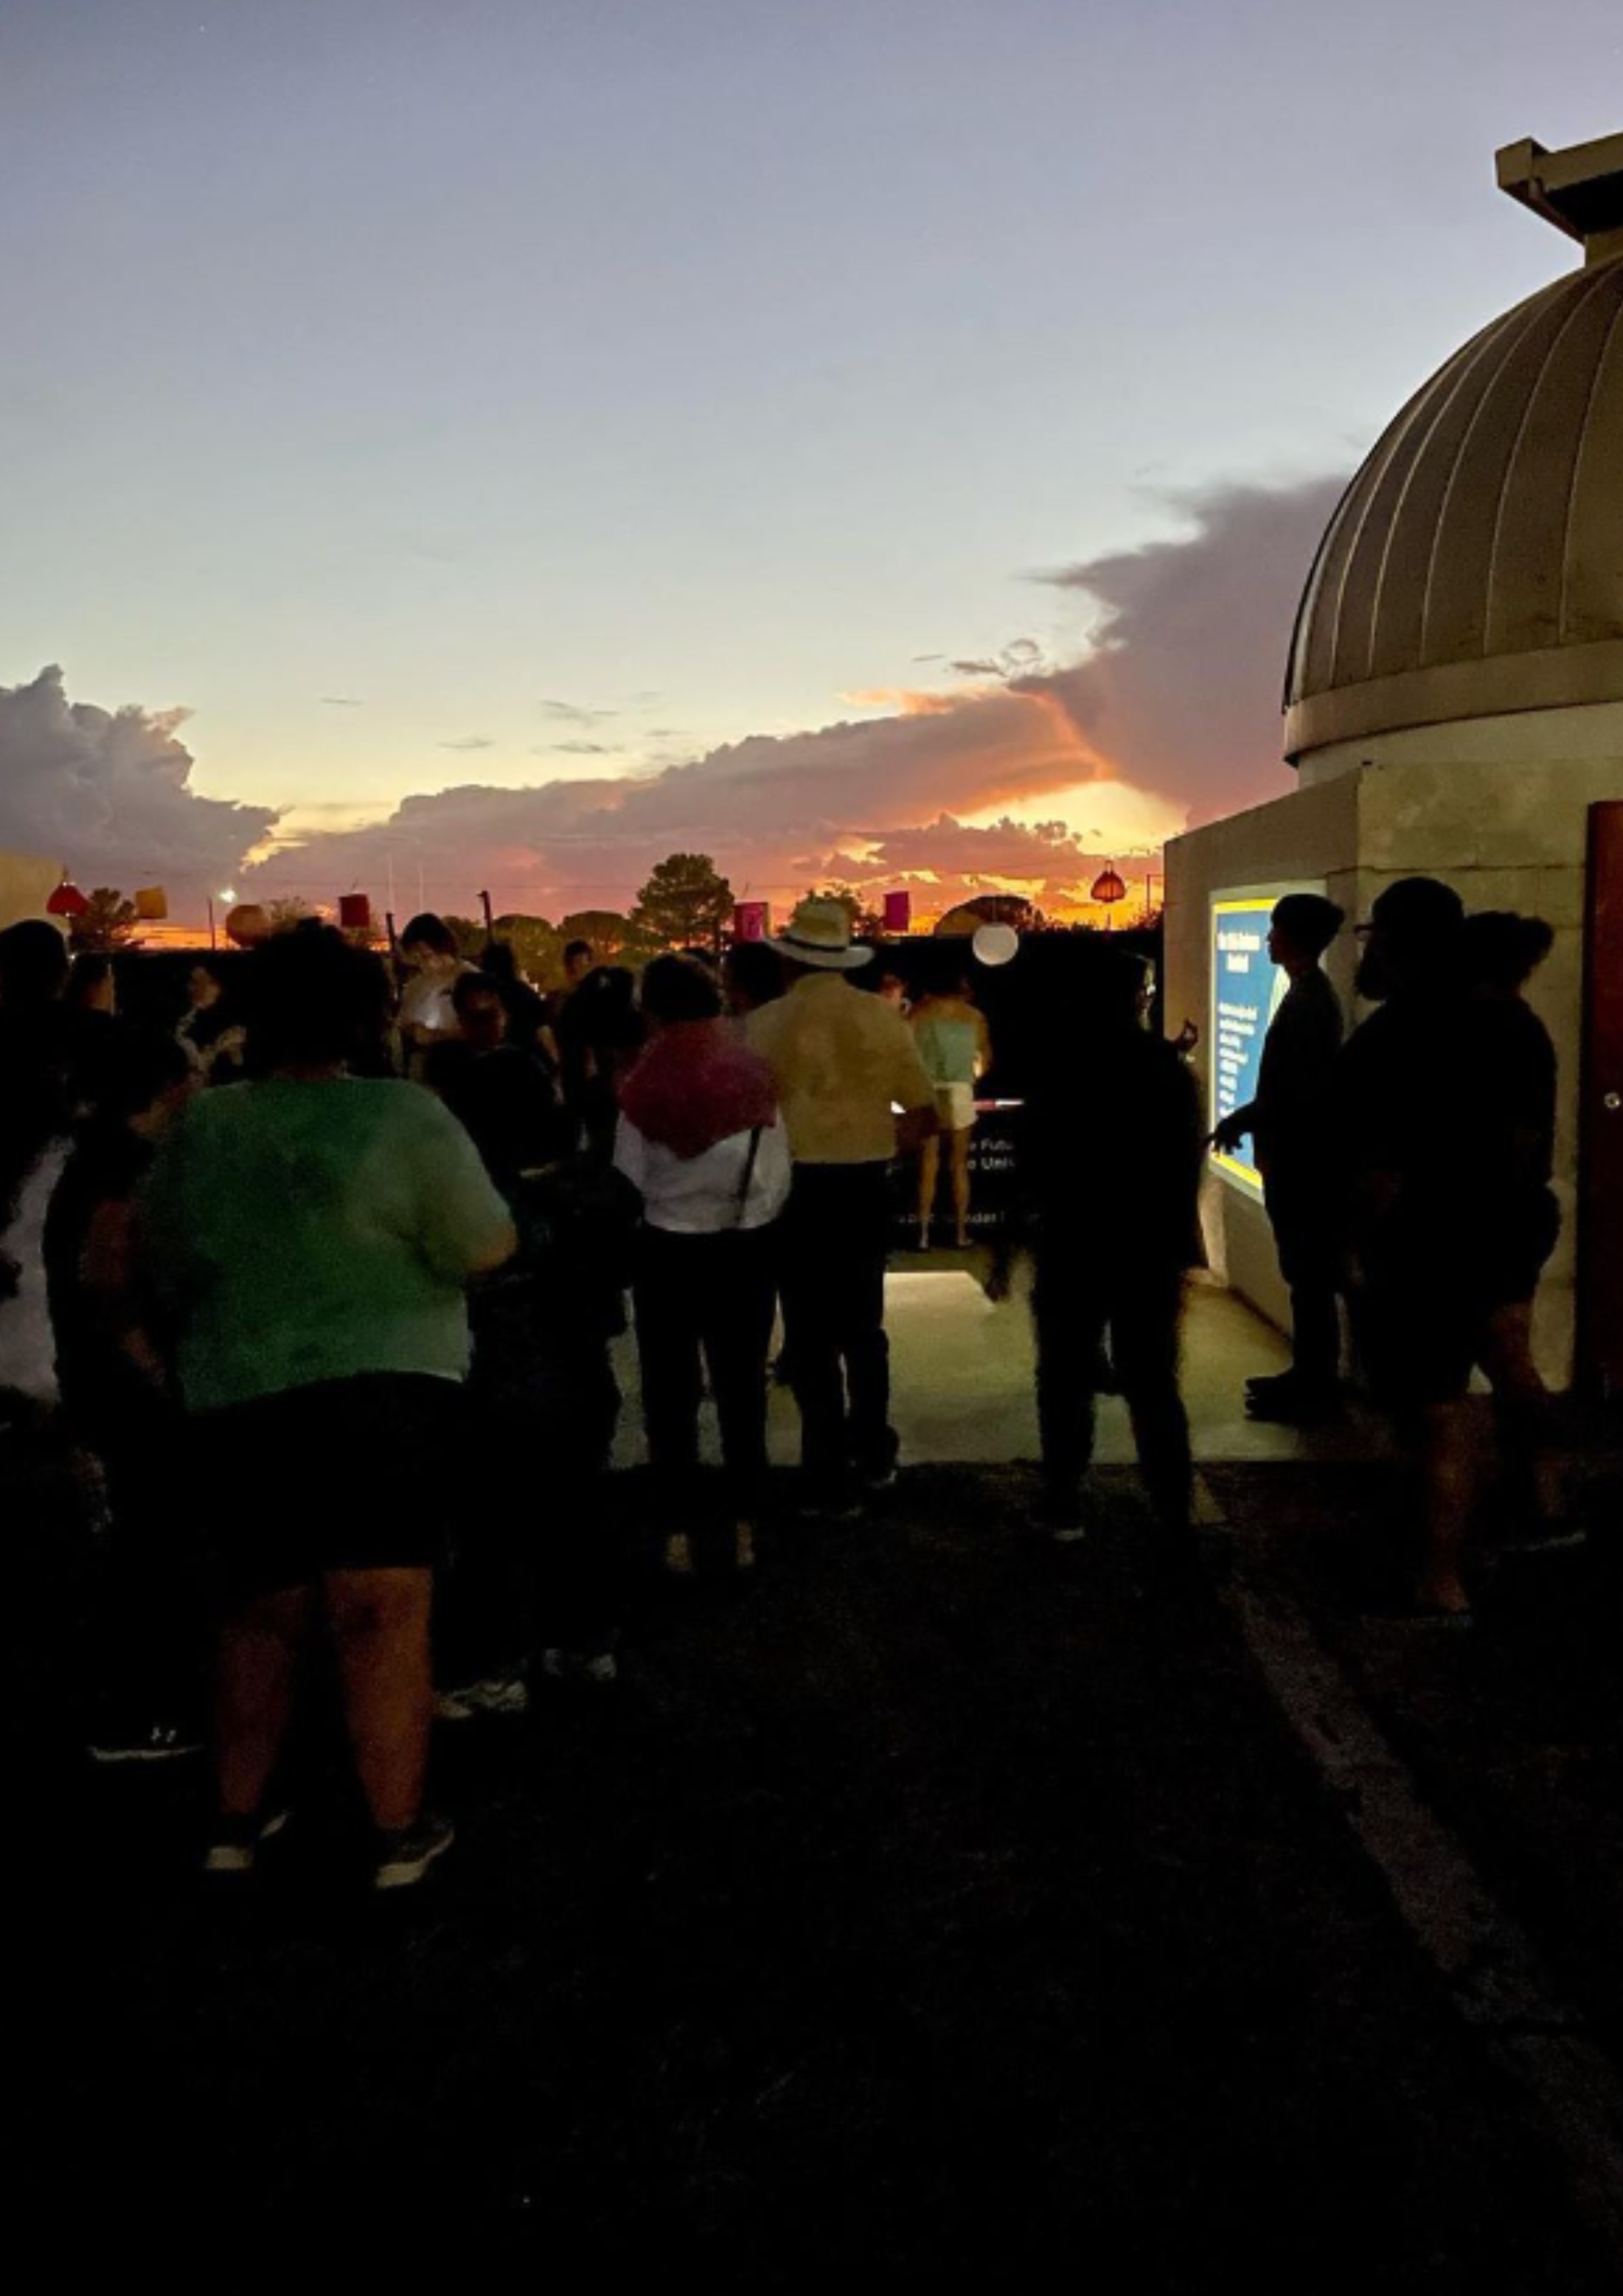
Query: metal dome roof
1475, 564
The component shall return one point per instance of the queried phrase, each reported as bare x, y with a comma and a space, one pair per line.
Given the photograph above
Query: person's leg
669, 1314
1448, 1488
961, 1140
1304, 1239
864, 1345
149, 1630
813, 1266
738, 1335
255, 1660
379, 1622
1521, 1405
930, 1180
1068, 1321
579, 1553
1145, 1318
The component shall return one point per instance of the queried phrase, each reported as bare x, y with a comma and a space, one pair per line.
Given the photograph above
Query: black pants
1305, 1238
1074, 1301
705, 1302
148, 1608
836, 1238
536, 1559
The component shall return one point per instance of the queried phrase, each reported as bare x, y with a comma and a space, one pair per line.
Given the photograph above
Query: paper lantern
750, 921
151, 905
898, 912
67, 901
995, 944
354, 912
1107, 887
248, 925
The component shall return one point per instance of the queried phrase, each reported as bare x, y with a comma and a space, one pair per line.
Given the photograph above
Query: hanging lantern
898, 912
354, 912
750, 921
1108, 887
67, 901
151, 905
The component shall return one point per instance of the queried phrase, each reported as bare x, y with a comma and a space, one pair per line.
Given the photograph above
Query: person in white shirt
428, 1007
701, 1140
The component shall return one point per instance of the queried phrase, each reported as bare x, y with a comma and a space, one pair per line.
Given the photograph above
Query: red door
1600, 1235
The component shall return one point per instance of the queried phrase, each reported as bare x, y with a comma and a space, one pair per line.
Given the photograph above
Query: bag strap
748, 1182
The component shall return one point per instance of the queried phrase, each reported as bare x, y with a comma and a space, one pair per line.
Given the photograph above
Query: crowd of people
404, 1238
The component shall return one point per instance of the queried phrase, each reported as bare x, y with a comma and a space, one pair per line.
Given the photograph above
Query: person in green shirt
312, 1234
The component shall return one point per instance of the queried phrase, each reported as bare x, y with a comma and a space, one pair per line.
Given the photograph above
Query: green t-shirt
312, 1232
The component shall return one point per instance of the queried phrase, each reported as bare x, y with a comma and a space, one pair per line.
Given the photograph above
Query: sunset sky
527, 436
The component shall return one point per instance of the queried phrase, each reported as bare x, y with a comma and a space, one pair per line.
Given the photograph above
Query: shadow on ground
952, 1905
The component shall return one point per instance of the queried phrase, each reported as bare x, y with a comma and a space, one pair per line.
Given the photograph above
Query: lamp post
228, 897
1152, 877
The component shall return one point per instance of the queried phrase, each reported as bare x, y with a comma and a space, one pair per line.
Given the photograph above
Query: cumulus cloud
1182, 686
108, 793
1173, 694
342, 701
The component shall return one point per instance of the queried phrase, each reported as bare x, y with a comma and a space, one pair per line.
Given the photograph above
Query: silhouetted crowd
355, 1241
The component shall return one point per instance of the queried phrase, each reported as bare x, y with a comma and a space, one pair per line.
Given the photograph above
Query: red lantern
751, 920
898, 912
1109, 889
67, 901
354, 912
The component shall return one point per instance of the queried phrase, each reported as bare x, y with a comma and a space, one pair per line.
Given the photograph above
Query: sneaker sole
406, 1873
111, 1756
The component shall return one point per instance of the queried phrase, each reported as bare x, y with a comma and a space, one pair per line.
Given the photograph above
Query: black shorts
351, 1475
1419, 1330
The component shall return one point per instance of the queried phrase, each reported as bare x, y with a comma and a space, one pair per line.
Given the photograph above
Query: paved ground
951, 1907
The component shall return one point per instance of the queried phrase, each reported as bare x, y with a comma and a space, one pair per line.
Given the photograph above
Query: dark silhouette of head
752, 975
34, 965
1412, 941
675, 989
1501, 951
480, 1010
428, 938
1302, 927
312, 1000
577, 961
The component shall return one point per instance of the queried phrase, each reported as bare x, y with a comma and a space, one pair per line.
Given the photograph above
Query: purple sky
472, 396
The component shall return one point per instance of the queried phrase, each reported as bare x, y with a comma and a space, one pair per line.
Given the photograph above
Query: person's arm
912, 1091
109, 1270
631, 1155
1233, 1129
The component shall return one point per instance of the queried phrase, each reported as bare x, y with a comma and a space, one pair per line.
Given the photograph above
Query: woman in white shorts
956, 1047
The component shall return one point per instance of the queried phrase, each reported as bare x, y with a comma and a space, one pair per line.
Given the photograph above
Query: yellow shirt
844, 1061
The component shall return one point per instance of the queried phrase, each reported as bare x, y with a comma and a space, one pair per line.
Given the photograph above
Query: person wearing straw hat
854, 1095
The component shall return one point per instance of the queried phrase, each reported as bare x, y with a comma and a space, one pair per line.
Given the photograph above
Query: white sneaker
502, 1693
406, 1857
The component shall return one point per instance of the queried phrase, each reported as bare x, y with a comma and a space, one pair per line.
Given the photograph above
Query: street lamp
228, 897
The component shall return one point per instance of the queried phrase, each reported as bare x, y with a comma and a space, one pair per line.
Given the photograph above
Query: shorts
353, 1474
955, 1106
1419, 1335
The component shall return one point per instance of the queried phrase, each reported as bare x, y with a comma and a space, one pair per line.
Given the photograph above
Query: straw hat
819, 933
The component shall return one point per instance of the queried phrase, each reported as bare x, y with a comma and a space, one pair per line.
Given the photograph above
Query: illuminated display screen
1246, 988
